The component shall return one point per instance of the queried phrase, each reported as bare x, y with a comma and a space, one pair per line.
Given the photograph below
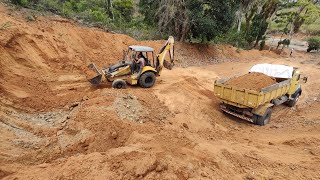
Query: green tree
204, 19
293, 14
212, 18
123, 9
260, 22
149, 8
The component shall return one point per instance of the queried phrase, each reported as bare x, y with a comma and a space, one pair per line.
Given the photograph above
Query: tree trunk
271, 43
247, 25
184, 26
282, 36
291, 31
282, 48
240, 18
301, 8
256, 43
111, 9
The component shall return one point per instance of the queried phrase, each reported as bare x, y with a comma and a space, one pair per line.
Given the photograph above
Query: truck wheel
293, 102
263, 120
147, 79
119, 84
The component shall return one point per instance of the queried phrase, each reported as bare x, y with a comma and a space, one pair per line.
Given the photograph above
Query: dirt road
54, 125
296, 44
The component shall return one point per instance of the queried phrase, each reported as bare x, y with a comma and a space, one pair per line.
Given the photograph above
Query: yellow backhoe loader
128, 71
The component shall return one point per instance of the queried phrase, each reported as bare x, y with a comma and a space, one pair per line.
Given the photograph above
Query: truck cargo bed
244, 98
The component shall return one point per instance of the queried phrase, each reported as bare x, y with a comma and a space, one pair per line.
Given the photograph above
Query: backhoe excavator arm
161, 62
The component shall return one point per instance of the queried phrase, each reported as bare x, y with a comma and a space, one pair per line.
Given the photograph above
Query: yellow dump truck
256, 106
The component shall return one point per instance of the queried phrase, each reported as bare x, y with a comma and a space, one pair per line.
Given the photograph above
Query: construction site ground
55, 125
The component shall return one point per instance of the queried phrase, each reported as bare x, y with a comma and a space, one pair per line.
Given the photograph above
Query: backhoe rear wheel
119, 84
147, 79
263, 120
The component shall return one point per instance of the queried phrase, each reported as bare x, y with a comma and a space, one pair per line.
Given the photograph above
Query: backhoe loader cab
127, 71
147, 53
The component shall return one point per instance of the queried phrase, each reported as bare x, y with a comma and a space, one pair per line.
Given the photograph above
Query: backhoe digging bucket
94, 79
168, 65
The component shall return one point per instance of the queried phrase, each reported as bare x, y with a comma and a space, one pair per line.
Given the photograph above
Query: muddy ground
55, 125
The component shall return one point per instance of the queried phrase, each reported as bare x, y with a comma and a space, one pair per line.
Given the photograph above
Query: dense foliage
112, 12
243, 23
203, 19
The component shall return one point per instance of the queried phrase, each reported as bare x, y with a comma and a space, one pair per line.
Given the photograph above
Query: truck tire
294, 101
263, 120
119, 84
147, 79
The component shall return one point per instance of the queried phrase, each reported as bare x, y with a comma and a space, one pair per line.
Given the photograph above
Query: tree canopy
204, 19
239, 22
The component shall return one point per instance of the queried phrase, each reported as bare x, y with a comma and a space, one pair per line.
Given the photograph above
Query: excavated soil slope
55, 125
254, 81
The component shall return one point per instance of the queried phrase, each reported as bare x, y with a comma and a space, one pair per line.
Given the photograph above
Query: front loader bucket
96, 80
94, 76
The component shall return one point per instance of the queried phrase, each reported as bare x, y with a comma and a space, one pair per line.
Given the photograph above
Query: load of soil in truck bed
253, 81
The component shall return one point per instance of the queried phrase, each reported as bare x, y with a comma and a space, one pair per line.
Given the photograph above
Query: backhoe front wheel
263, 120
119, 84
147, 79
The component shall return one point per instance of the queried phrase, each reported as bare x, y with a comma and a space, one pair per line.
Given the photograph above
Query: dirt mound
128, 107
303, 142
253, 81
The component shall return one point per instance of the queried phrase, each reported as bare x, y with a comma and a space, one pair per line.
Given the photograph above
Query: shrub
234, 38
98, 16
23, 3
49, 5
314, 43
